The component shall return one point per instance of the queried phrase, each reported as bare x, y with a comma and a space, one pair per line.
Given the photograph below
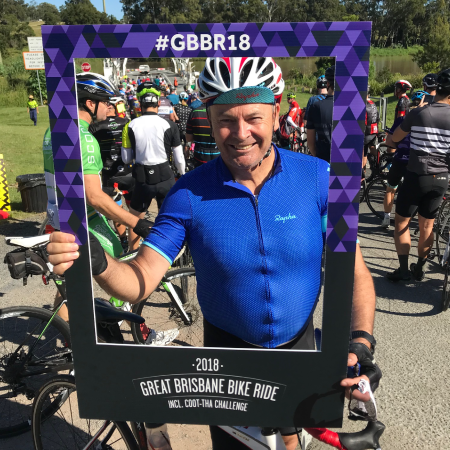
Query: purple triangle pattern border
348, 42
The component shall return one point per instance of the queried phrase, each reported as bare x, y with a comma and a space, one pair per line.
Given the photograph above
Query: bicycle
35, 343
55, 421
376, 162
375, 193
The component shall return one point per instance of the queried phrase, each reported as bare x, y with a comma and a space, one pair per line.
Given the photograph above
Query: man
321, 85
426, 179
429, 86
400, 88
173, 97
165, 109
225, 210
139, 81
149, 140
371, 130
320, 121
194, 101
198, 131
108, 133
32, 109
183, 112
157, 80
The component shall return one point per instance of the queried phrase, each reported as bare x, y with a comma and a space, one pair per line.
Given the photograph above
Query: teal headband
244, 95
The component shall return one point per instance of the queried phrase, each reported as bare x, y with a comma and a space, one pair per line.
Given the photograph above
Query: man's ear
276, 123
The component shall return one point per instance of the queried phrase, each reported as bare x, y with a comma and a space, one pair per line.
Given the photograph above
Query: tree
48, 13
83, 12
437, 50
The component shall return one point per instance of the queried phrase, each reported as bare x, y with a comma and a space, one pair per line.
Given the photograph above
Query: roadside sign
33, 60
35, 44
85, 67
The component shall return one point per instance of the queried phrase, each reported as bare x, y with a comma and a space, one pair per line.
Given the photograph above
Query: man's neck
84, 115
151, 110
255, 177
439, 99
330, 91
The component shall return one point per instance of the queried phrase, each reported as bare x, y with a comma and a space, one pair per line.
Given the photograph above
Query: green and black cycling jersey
109, 136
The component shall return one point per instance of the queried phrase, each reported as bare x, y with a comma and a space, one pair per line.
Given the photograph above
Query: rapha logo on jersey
151, 172
283, 219
113, 125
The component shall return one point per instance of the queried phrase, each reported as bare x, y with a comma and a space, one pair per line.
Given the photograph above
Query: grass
36, 26
397, 51
21, 147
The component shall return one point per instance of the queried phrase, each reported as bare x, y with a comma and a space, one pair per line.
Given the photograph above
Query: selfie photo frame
254, 387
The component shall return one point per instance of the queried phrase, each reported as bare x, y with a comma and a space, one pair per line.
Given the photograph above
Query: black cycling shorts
215, 337
369, 141
144, 193
396, 173
421, 192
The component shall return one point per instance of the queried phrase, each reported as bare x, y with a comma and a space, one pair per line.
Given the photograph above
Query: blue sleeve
169, 232
312, 113
323, 182
308, 105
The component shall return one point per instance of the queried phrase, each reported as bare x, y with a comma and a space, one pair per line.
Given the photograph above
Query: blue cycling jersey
311, 101
257, 259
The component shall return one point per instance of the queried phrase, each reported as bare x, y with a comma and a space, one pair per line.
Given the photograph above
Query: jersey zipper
264, 264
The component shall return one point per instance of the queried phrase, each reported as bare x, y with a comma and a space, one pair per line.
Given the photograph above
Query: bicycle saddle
369, 438
27, 242
108, 314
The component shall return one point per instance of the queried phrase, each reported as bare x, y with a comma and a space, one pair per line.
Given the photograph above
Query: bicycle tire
442, 228
375, 196
162, 313
446, 290
17, 324
43, 226
50, 418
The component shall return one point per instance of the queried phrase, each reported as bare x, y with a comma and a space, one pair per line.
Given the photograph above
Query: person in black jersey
108, 133
402, 108
426, 178
320, 121
429, 82
183, 112
371, 130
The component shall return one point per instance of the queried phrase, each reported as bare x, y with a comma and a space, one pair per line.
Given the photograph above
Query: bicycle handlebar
366, 439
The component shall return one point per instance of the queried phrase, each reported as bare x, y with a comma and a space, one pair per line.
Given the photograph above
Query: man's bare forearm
311, 140
136, 280
364, 299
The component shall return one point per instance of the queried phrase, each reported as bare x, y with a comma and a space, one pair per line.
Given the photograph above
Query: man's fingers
63, 257
352, 359
348, 382
60, 269
58, 236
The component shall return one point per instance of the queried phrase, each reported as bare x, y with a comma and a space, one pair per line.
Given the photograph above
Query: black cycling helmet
329, 74
321, 82
148, 94
93, 86
443, 82
429, 80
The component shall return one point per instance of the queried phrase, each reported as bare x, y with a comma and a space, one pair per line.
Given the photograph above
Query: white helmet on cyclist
115, 100
221, 75
184, 96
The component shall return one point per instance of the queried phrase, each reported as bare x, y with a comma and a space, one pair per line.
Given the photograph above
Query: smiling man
248, 216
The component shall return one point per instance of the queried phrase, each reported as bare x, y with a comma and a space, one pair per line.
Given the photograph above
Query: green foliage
431, 67
83, 12
48, 13
384, 75
14, 72
322, 64
33, 84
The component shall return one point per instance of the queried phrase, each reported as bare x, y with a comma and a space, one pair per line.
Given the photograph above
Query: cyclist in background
195, 102
426, 179
183, 112
400, 88
320, 121
149, 140
173, 97
108, 133
32, 109
371, 130
321, 84
165, 109
429, 82
199, 132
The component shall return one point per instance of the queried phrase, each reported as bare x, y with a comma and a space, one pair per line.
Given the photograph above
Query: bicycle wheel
385, 164
375, 197
442, 228
56, 424
162, 312
20, 328
446, 290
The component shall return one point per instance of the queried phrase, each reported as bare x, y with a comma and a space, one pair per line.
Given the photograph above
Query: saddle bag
22, 263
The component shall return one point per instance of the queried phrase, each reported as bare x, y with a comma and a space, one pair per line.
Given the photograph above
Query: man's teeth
246, 147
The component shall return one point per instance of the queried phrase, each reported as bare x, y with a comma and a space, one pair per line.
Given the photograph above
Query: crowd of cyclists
228, 144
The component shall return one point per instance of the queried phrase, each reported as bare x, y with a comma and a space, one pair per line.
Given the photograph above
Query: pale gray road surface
413, 348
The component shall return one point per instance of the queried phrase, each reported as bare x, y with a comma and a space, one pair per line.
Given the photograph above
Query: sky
113, 7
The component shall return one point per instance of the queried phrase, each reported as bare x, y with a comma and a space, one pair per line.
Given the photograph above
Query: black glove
99, 262
368, 367
142, 228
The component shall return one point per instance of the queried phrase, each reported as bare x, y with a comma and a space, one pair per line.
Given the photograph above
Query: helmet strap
92, 114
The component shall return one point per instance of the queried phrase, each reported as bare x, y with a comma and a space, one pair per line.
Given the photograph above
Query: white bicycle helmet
115, 100
225, 74
184, 96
